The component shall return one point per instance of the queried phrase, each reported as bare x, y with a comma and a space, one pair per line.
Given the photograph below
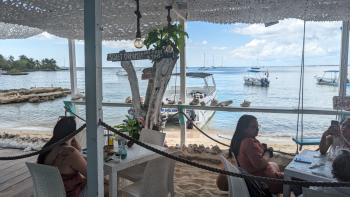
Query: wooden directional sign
138, 55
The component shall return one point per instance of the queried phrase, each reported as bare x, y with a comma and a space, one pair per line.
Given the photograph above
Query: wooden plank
138, 55
21, 189
10, 174
15, 180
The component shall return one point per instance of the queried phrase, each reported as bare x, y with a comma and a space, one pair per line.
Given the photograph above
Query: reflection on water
283, 92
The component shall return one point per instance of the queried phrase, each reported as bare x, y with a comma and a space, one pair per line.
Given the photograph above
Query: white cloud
204, 42
284, 40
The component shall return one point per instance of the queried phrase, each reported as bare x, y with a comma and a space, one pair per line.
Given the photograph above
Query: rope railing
205, 134
220, 171
48, 148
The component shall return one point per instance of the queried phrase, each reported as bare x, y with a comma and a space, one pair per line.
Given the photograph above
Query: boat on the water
329, 77
257, 77
195, 95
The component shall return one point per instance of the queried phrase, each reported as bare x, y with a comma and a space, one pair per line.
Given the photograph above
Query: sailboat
213, 66
330, 78
203, 67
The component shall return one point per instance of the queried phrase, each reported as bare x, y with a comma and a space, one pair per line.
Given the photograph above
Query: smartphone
334, 123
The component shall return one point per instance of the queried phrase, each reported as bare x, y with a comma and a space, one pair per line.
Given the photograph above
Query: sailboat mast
213, 61
204, 59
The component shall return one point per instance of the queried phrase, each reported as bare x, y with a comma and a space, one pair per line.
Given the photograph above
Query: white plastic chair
152, 137
135, 173
47, 180
237, 186
154, 181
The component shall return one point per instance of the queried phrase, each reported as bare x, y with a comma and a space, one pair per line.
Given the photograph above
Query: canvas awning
64, 18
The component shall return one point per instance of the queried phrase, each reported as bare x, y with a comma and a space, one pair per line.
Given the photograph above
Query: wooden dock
15, 179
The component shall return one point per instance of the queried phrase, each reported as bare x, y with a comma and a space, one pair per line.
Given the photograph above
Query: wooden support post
134, 85
182, 125
183, 84
344, 60
72, 67
163, 70
93, 89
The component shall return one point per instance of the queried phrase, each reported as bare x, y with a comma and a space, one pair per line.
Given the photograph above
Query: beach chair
47, 180
154, 181
237, 186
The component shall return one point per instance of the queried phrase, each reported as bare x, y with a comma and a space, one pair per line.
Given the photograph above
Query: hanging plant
162, 38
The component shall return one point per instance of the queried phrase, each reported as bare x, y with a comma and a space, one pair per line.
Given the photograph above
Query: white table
302, 170
136, 155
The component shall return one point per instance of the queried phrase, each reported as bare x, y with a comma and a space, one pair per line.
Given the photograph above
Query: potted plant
131, 126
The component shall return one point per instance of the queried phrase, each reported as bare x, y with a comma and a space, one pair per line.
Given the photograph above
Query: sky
229, 45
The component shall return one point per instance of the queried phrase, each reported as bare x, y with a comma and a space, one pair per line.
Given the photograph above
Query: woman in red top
68, 159
249, 152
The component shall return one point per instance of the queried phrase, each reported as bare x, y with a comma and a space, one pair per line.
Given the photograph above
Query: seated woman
68, 159
336, 137
250, 153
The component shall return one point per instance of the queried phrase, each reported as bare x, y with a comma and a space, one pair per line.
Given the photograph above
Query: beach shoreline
172, 138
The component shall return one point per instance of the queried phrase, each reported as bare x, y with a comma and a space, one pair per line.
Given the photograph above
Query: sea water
282, 93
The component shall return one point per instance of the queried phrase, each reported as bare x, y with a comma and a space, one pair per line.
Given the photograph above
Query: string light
138, 43
169, 48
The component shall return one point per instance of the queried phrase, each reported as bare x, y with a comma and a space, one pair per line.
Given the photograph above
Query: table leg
286, 188
113, 184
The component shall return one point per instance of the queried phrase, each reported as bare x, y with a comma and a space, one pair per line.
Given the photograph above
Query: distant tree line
25, 64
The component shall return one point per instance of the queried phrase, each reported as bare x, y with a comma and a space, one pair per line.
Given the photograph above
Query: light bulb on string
169, 49
138, 43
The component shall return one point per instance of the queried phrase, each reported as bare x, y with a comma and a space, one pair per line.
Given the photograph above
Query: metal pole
344, 59
93, 89
183, 84
72, 67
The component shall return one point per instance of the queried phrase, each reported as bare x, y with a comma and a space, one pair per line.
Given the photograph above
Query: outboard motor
189, 124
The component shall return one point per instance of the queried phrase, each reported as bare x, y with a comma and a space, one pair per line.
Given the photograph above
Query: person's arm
77, 161
221, 181
75, 144
255, 155
326, 141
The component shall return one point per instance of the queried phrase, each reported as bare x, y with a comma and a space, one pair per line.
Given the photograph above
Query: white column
93, 90
344, 59
72, 67
183, 82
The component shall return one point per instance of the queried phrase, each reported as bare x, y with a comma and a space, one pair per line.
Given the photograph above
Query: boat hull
321, 81
251, 81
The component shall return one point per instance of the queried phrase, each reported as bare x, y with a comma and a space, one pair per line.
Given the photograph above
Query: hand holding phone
334, 129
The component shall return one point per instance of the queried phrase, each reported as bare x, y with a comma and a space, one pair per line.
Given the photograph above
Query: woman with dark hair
249, 152
67, 158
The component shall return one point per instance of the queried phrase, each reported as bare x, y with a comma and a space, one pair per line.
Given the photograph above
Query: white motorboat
329, 77
257, 77
197, 95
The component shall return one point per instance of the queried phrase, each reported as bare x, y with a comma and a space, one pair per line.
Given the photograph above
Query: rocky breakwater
32, 95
